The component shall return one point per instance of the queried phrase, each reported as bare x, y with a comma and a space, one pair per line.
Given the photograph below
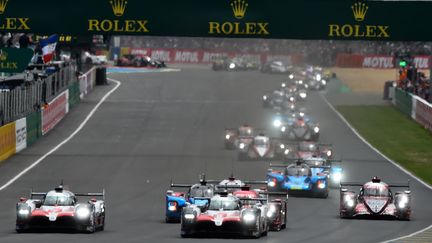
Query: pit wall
17, 135
413, 106
377, 61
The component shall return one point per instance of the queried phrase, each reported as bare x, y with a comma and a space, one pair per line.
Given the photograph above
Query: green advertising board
14, 60
288, 19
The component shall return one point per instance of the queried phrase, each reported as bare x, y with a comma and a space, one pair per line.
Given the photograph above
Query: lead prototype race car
375, 200
226, 214
243, 134
60, 209
262, 148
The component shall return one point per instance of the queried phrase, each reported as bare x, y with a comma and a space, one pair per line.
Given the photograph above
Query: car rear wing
180, 185
310, 166
92, 194
396, 185
37, 194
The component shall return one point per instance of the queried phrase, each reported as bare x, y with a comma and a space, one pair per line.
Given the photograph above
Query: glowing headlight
172, 208
337, 177
282, 146
323, 82
286, 151
349, 201
316, 129
24, 212
300, 81
301, 114
83, 213
271, 183
227, 136
283, 129
291, 76
277, 123
321, 185
292, 107
403, 202
265, 97
302, 95
189, 216
306, 86
242, 145
291, 99
318, 77
232, 66
283, 85
249, 217
329, 153
270, 214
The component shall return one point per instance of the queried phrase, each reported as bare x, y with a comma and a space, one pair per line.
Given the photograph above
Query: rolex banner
295, 19
14, 60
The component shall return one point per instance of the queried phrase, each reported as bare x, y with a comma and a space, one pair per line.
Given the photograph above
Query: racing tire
185, 234
92, 227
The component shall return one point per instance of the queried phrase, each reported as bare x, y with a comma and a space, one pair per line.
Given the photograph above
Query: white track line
80, 127
385, 157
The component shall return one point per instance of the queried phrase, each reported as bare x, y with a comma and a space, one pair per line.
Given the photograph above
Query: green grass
394, 134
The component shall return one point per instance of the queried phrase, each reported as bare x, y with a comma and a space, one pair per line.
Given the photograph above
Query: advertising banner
206, 57
377, 61
54, 112
21, 134
7, 141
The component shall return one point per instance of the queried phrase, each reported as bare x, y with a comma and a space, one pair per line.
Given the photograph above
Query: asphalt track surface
162, 126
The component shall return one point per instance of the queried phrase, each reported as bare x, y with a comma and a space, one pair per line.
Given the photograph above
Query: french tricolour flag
48, 46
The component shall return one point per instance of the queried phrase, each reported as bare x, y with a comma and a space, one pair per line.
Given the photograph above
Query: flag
48, 46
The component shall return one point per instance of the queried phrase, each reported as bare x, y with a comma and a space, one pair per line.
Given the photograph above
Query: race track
162, 126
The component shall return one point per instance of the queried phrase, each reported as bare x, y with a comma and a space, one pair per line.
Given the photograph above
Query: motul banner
205, 57
377, 61
54, 112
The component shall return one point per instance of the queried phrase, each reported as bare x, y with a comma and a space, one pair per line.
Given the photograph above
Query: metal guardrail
30, 96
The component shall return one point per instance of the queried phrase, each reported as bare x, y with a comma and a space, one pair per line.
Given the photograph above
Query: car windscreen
307, 147
225, 203
245, 132
201, 192
261, 142
58, 200
297, 171
376, 192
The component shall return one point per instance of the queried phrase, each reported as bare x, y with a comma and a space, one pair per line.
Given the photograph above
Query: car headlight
265, 97
300, 81
337, 177
286, 151
316, 129
306, 86
277, 123
303, 95
403, 202
282, 146
24, 212
249, 217
283, 85
271, 183
242, 145
349, 201
189, 216
227, 136
83, 213
291, 76
329, 153
323, 82
291, 99
301, 114
283, 129
318, 77
232, 66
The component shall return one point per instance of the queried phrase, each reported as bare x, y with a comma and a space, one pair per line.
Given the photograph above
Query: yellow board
7, 141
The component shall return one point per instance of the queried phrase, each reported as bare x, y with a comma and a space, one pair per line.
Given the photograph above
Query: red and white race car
226, 214
60, 209
233, 137
309, 149
262, 148
277, 207
375, 200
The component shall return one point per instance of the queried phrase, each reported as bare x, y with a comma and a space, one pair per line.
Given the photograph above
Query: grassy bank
395, 135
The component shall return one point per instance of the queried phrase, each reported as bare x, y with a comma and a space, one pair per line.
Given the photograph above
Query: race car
277, 207
329, 167
375, 200
197, 194
315, 78
309, 149
226, 214
243, 134
298, 179
60, 209
139, 61
261, 148
276, 66
280, 100
300, 127
295, 90
239, 63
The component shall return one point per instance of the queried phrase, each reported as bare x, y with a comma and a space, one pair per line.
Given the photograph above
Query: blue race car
299, 179
334, 172
197, 194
